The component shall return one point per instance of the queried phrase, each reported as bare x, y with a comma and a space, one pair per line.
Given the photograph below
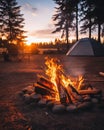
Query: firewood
46, 82
73, 89
41, 89
89, 92
101, 73
65, 96
68, 100
75, 96
63, 93
69, 95
46, 87
70, 91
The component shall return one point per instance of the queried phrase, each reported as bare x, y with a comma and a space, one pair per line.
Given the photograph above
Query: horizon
39, 24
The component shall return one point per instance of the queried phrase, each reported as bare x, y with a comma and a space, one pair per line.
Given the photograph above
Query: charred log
68, 100
75, 96
63, 94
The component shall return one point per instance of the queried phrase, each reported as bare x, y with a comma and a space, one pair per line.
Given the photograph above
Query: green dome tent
86, 47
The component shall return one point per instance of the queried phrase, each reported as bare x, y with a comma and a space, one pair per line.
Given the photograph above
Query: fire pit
60, 92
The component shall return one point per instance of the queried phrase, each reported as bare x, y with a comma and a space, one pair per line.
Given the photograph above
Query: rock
57, 102
102, 99
71, 108
36, 97
42, 102
50, 103
94, 100
101, 106
26, 98
33, 94
59, 108
21, 93
84, 105
33, 104
97, 96
28, 90
86, 98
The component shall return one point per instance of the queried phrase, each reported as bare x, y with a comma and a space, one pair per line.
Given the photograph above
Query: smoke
76, 72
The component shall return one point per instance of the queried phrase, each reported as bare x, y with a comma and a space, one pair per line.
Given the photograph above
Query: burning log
90, 92
43, 90
62, 95
46, 82
67, 95
60, 92
63, 92
75, 96
69, 100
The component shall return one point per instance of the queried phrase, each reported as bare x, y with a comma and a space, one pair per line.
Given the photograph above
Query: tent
86, 47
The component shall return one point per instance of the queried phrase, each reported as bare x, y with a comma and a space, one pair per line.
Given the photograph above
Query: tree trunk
99, 30
67, 41
67, 35
90, 28
89, 32
103, 33
77, 23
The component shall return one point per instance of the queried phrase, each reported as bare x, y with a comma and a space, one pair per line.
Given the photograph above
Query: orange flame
51, 72
57, 76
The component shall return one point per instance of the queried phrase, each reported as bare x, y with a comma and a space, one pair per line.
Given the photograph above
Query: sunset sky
38, 19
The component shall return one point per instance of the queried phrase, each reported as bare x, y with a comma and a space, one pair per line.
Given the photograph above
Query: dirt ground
15, 114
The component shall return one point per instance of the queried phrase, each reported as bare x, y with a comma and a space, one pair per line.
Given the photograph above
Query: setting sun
31, 39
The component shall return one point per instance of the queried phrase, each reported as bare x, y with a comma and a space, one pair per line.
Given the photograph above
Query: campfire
59, 91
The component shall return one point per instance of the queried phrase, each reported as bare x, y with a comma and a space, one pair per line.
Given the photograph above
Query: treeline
79, 16
58, 44
11, 23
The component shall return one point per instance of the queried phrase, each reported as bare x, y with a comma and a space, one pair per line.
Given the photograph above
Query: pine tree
64, 17
11, 22
86, 17
93, 17
99, 16
67, 17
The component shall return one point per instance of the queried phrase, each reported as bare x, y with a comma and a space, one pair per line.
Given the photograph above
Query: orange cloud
45, 33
